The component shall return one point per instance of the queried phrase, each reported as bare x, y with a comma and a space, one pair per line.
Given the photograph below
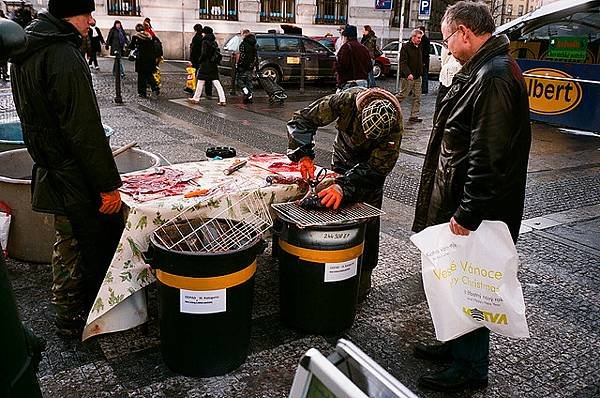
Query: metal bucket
32, 234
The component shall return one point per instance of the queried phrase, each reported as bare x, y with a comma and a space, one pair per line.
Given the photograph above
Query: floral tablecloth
121, 303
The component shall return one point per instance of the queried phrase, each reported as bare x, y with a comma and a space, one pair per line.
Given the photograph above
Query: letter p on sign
424, 9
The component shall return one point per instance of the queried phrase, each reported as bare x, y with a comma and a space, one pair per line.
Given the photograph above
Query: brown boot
364, 285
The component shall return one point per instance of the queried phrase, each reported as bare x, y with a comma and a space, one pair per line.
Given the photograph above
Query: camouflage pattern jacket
363, 163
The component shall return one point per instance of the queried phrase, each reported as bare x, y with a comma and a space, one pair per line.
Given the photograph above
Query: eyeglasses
445, 41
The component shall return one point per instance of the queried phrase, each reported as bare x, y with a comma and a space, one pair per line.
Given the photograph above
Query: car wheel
271, 72
377, 71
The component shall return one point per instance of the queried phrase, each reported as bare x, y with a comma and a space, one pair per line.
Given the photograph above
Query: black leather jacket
476, 163
56, 103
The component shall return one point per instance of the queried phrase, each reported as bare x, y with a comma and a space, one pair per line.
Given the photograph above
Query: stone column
305, 12
248, 11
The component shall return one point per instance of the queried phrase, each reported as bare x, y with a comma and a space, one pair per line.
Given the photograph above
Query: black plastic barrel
319, 272
205, 306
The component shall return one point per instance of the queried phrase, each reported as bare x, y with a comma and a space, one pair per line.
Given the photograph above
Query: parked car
279, 58
382, 65
390, 50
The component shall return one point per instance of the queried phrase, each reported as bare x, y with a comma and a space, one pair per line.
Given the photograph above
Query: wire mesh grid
8, 112
245, 217
319, 217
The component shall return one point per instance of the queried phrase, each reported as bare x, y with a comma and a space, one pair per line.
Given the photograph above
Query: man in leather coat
366, 147
476, 164
74, 174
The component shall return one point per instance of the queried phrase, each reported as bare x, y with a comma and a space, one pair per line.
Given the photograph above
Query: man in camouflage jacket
366, 147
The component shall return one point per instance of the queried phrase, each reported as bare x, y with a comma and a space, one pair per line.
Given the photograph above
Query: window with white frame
277, 11
219, 9
127, 8
332, 12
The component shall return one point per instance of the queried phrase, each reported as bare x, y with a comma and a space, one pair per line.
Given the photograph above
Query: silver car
435, 56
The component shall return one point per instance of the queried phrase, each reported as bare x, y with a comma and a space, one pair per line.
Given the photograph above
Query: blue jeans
370, 77
244, 80
472, 351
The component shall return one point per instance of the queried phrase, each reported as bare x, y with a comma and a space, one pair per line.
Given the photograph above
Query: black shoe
435, 353
453, 379
364, 285
65, 327
415, 119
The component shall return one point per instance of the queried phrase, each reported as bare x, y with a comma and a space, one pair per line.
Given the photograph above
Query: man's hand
332, 196
111, 202
458, 229
306, 166
410, 77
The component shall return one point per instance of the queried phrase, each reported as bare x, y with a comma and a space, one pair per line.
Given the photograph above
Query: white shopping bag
4, 229
471, 281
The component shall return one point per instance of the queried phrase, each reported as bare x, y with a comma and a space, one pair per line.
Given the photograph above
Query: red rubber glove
306, 166
332, 196
111, 202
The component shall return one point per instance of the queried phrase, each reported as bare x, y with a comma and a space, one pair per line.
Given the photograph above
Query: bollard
302, 61
20, 350
117, 71
233, 74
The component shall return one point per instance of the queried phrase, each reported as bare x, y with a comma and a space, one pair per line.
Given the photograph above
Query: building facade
173, 20
506, 10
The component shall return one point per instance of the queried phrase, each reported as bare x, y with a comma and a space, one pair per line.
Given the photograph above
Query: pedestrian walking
196, 46
233, 45
450, 67
246, 63
340, 40
96, 43
475, 166
365, 150
425, 43
369, 40
144, 61
117, 41
74, 174
353, 61
210, 57
411, 70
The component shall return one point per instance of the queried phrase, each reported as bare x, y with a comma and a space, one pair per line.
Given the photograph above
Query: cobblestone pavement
558, 250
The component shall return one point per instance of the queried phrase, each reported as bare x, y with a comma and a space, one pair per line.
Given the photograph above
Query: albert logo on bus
552, 97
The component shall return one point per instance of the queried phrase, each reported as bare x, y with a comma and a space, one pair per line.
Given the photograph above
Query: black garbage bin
319, 271
205, 306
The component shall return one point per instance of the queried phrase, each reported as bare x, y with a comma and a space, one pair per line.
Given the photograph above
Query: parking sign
424, 9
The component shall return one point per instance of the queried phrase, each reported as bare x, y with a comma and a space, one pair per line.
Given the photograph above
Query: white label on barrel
335, 272
202, 302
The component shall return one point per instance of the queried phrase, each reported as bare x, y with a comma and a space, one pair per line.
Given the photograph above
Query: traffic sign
424, 9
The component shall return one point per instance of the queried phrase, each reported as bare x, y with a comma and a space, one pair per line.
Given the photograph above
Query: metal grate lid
302, 217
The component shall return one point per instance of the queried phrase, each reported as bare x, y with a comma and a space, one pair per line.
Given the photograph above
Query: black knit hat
206, 30
69, 8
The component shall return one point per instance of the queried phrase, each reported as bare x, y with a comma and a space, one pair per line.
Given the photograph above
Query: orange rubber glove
332, 196
111, 202
306, 166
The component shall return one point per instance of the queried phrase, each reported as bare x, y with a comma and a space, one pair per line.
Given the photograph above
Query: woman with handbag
145, 66
117, 41
210, 56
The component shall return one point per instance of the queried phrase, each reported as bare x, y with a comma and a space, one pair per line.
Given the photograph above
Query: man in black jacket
246, 62
411, 70
74, 174
476, 164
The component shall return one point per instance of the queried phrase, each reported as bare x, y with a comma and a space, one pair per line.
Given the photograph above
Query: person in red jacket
353, 61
